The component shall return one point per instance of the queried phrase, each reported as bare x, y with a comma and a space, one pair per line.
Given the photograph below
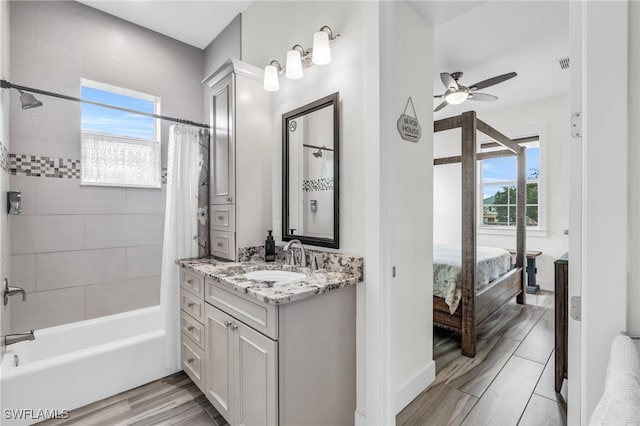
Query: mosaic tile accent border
4, 158
39, 166
163, 175
316, 185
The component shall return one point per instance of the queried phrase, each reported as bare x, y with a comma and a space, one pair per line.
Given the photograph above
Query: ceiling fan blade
482, 97
442, 105
492, 81
448, 81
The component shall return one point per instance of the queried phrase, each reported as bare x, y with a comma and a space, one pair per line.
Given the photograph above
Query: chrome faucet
10, 339
10, 291
292, 258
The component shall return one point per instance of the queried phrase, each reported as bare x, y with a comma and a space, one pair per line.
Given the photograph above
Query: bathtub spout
10, 339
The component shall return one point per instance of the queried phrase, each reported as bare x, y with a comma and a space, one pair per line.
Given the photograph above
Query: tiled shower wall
85, 252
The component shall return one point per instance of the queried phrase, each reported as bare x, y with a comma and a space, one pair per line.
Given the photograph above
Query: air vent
564, 63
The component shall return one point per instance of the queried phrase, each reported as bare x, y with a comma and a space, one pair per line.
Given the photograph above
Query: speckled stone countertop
231, 275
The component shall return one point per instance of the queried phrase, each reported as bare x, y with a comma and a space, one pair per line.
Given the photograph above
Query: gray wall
226, 45
85, 252
4, 175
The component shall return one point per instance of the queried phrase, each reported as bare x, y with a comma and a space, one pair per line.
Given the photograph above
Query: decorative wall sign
408, 125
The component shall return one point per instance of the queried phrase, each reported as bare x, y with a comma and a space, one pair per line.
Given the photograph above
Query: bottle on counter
269, 248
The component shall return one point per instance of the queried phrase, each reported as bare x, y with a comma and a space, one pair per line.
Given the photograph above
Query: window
119, 148
498, 190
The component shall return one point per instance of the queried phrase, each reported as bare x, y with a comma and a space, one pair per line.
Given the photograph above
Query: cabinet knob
190, 328
190, 282
190, 304
190, 361
234, 327
227, 324
229, 198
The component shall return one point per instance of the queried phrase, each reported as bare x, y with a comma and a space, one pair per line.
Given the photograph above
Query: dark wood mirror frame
331, 100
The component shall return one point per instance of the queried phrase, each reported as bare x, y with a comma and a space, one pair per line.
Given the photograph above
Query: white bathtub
72, 365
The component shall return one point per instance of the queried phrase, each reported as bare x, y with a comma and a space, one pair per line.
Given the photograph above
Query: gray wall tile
123, 230
112, 298
48, 308
146, 201
23, 272
144, 261
43, 234
66, 196
75, 268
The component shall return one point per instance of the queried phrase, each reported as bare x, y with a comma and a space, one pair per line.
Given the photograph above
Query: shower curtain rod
317, 147
4, 84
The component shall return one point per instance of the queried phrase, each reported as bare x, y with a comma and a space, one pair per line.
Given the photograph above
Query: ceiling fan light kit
457, 94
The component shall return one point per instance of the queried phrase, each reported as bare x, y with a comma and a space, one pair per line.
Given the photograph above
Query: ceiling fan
457, 93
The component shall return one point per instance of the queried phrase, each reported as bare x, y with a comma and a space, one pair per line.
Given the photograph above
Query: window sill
511, 232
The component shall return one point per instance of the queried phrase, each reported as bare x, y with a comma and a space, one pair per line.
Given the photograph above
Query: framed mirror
310, 184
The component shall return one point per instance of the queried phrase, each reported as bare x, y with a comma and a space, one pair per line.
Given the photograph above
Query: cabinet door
219, 364
222, 189
255, 377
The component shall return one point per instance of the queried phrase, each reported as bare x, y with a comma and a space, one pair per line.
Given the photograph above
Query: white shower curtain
180, 230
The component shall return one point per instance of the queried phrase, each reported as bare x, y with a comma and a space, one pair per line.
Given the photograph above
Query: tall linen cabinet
240, 158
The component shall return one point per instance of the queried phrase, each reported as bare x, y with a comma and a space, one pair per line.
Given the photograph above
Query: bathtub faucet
10, 339
10, 291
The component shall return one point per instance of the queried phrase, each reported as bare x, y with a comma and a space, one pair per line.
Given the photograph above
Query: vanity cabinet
265, 364
241, 379
240, 158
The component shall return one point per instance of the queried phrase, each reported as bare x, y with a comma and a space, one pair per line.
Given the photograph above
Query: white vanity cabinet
241, 379
265, 364
240, 158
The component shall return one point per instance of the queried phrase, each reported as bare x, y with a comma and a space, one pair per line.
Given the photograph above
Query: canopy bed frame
474, 306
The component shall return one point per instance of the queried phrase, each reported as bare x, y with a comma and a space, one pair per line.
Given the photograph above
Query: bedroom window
119, 148
498, 190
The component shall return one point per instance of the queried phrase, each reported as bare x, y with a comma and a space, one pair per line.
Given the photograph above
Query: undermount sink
274, 275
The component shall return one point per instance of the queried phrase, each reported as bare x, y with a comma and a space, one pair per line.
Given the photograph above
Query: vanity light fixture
299, 57
294, 62
271, 76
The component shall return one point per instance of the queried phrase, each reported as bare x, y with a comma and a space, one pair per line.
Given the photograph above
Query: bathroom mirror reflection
310, 173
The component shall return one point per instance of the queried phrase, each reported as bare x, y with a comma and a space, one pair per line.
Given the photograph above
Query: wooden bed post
469, 214
521, 222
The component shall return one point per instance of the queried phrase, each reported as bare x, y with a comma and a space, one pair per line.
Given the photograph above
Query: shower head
28, 101
317, 153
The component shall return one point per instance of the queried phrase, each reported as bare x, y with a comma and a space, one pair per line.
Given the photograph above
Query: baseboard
545, 285
409, 390
360, 419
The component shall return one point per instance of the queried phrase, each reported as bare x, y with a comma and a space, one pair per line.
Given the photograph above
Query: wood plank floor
173, 400
509, 382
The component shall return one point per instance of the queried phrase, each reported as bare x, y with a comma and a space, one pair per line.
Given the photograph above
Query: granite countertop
231, 275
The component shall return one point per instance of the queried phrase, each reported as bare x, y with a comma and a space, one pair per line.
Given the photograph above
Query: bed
466, 291
491, 263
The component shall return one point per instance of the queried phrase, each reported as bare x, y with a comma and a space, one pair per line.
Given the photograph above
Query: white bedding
491, 263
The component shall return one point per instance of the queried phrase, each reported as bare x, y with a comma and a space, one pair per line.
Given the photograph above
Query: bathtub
72, 365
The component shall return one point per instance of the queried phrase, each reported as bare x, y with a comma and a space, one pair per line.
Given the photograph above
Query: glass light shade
321, 49
271, 81
294, 65
455, 98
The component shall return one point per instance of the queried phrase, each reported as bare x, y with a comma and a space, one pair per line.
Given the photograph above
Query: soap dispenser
269, 248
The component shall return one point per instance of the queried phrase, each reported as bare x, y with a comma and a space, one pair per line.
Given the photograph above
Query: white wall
411, 65
269, 30
633, 295
4, 149
84, 252
551, 117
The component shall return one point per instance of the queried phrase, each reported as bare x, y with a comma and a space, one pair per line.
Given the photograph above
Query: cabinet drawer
261, 316
223, 244
192, 305
192, 328
223, 217
192, 360
192, 282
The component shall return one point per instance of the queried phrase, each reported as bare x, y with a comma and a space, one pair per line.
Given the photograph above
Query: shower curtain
185, 226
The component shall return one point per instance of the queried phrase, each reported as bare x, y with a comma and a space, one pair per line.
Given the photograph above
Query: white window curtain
180, 229
120, 161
